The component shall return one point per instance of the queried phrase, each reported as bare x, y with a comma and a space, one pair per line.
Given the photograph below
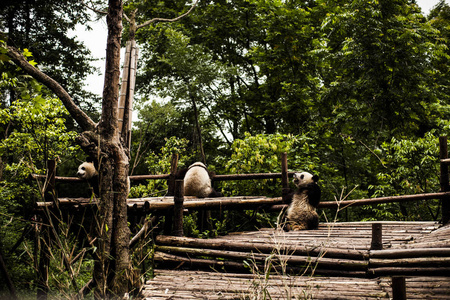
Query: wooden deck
332, 262
169, 284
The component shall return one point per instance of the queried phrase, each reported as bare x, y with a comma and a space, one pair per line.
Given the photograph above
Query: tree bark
112, 271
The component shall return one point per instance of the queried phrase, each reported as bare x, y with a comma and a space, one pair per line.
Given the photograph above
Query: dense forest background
354, 91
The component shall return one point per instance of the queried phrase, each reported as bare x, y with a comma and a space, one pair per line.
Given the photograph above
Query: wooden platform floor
171, 284
345, 235
185, 283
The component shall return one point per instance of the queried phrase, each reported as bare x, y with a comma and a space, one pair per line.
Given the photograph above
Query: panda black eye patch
83, 168
301, 177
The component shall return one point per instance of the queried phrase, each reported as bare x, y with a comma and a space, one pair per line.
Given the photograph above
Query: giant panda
88, 172
301, 213
198, 183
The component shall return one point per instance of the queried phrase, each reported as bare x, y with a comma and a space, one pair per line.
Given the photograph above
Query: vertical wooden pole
284, 177
173, 172
377, 237
7, 278
127, 91
444, 180
44, 259
178, 200
170, 192
398, 288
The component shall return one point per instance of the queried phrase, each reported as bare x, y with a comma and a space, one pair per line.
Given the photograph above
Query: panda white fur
198, 183
301, 213
88, 172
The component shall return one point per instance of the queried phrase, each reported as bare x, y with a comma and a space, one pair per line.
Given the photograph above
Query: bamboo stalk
223, 244
416, 271
406, 253
410, 262
292, 260
370, 201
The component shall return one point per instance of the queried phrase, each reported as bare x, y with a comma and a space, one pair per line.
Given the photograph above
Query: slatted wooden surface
214, 285
191, 284
348, 235
169, 284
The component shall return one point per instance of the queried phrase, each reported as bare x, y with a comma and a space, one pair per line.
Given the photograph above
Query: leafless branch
167, 20
101, 12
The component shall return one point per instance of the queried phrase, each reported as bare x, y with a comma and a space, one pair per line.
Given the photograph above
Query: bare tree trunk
113, 268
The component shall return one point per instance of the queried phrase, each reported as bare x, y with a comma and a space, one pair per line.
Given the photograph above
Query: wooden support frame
377, 237
284, 178
44, 239
127, 91
168, 217
398, 288
178, 200
444, 179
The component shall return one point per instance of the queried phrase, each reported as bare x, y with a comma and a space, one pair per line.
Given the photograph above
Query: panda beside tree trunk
87, 171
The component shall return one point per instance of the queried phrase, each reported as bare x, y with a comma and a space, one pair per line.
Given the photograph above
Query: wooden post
398, 288
127, 91
173, 172
284, 177
444, 180
44, 259
178, 200
170, 192
377, 237
7, 278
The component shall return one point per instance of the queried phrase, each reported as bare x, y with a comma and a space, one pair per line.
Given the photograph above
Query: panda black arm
289, 197
314, 194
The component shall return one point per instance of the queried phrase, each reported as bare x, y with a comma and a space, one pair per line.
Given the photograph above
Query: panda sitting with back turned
197, 181
301, 213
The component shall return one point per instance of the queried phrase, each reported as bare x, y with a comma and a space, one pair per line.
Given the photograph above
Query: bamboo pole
7, 278
124, 87
398, 288
172, 176
406, 253
223, 244
294, 260
44, 258
410, 262
444, 179
284, 177
168, 217
249, 176
178, 208
408, 271
371, 201
377, 237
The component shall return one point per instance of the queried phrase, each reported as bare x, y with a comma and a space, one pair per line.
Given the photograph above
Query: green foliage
33, 130
45, 28
256, 154
411, 168
40, 130
159, 163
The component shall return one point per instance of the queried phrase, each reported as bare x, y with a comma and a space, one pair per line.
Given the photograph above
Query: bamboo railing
371, 263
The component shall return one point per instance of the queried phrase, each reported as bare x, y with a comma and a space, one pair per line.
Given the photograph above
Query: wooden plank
214, 285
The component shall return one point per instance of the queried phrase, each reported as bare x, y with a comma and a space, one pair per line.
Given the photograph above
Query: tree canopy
356, 92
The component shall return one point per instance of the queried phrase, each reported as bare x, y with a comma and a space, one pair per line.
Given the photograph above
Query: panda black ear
315, 178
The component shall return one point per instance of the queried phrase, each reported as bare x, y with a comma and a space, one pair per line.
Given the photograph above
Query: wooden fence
174, 208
